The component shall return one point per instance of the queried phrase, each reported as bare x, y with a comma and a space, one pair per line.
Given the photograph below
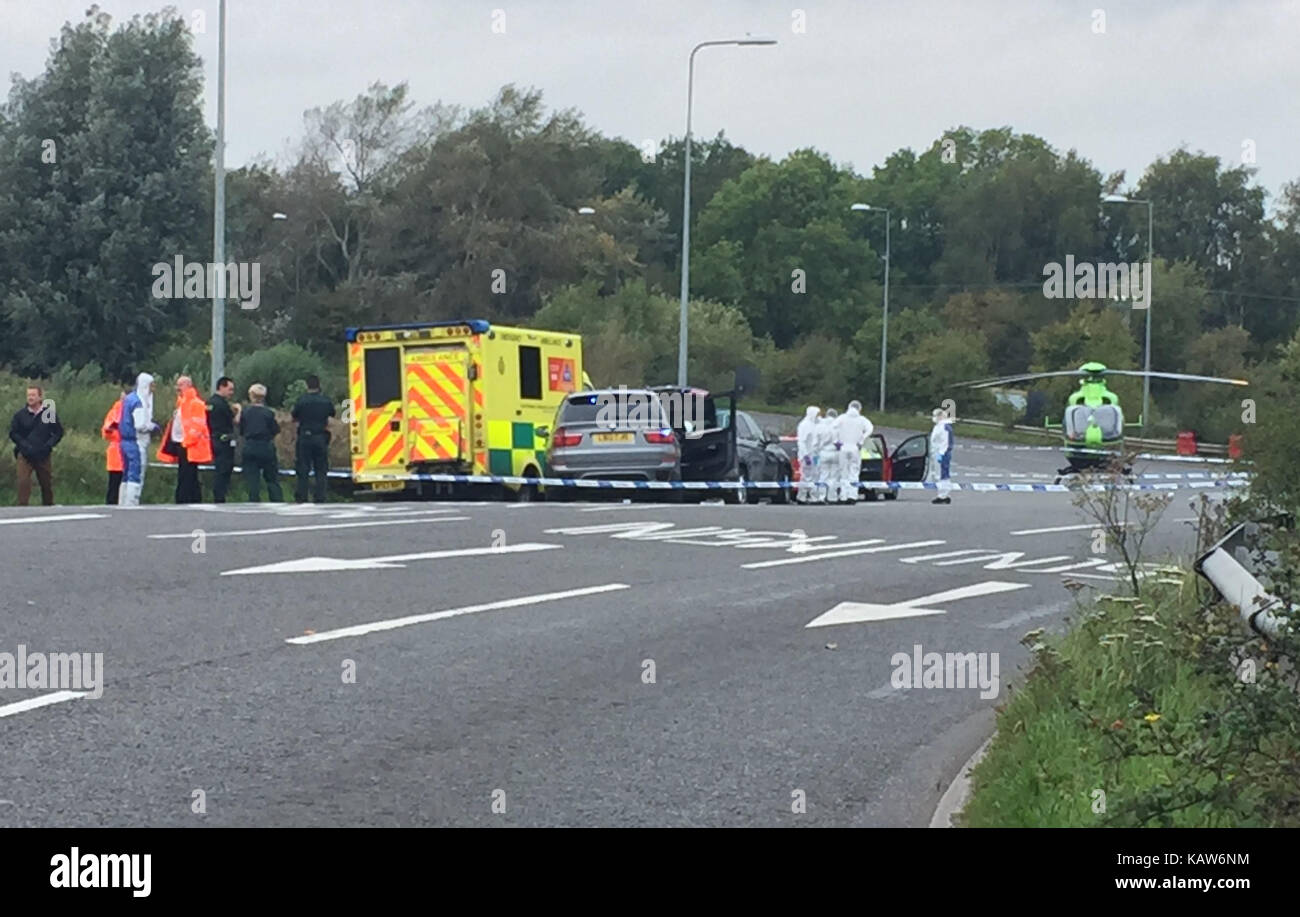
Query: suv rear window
614, 409
693, 411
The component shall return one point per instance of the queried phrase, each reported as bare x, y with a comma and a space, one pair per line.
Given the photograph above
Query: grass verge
1156, 711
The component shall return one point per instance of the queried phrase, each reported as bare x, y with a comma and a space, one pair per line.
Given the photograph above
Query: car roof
692, 389
612, 391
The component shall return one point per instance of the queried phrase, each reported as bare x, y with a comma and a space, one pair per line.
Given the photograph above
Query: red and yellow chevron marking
354, 395
435, 397
384, 445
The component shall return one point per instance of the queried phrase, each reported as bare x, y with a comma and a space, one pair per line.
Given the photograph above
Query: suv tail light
660, 437
563, 438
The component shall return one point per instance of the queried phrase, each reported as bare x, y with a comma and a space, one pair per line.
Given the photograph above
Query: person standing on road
940, 460
35, 431
854, 429
222, 416
110, 430
134, 428
258, 429
806, 452
828, 479
187, 441
312, 452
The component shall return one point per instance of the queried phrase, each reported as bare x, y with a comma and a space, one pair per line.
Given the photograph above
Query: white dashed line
44, 700
25, 520
393, 623
281, 530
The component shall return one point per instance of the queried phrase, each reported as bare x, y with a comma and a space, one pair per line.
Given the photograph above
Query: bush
277, 368
173, 362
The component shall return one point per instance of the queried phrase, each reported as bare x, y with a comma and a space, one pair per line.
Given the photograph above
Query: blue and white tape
590, 484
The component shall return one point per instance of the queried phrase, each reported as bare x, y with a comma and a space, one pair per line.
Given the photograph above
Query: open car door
708, 441
910, 457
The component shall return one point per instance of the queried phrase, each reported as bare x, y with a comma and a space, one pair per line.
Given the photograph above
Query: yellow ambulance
462, 397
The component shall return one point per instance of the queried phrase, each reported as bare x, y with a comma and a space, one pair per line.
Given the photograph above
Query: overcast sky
856, 79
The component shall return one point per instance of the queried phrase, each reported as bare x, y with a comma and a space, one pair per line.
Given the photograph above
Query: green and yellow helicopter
1093, 425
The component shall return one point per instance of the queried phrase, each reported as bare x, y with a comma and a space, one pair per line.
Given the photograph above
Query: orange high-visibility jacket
113, 457
194, 419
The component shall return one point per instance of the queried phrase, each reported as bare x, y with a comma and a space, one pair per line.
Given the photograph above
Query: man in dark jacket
222, 417
312, 454
35, 431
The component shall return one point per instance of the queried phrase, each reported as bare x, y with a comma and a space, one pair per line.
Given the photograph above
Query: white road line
315, 528
24, 520
965, 592
1059, 528
43, 701
321, 564
393, 623
806, 558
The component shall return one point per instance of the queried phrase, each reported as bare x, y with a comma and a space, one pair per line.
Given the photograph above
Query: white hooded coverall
854, 429
828, 466
142, 421
807, 449
940, 460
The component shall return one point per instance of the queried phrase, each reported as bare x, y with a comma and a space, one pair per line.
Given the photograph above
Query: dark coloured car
760, 456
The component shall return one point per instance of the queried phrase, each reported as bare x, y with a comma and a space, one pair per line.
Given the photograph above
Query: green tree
103, 166
1093, 332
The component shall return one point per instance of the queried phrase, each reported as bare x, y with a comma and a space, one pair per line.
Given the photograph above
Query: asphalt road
575, 664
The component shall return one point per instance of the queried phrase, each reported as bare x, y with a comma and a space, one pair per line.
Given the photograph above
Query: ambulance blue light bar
475, 325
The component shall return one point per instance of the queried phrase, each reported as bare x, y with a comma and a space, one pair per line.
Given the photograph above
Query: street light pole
219, 211
1146, 360
1146, 363
884, 327
686, 198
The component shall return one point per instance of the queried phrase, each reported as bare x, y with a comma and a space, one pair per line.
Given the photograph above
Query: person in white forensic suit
807, 454
853, 431
828, 477
939, 463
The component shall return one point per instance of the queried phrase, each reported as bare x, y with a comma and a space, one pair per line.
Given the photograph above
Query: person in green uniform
312, 412
258, 429
222, 416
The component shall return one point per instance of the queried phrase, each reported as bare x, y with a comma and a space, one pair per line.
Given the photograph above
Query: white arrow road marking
826, 555
315, 528
322, 564
43, 701
393, 623
856, 612
24, 520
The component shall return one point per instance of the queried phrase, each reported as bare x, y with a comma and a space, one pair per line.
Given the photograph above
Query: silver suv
614, 434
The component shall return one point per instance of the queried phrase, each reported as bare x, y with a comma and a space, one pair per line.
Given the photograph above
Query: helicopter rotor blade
1022, 377
1184, 377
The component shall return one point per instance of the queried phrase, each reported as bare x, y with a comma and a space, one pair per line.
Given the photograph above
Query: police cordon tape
1194, 480
595, 484
1155, 476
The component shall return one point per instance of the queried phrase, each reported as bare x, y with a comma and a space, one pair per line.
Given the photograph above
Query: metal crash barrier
1225, 566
